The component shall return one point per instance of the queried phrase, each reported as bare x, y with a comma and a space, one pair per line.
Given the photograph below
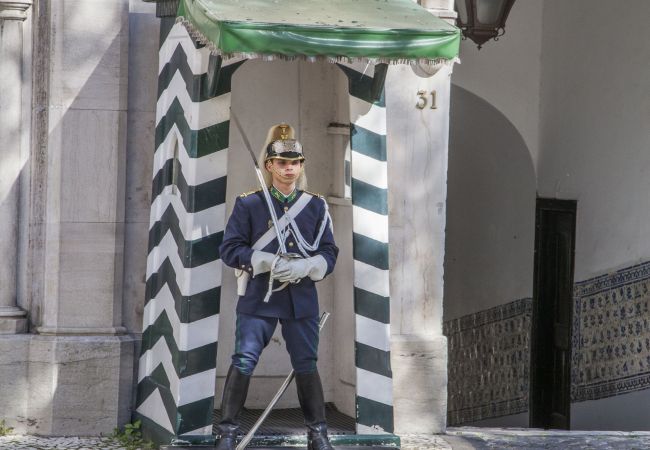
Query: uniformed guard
250, 245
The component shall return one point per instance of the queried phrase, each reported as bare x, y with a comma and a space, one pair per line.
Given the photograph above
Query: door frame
544, 205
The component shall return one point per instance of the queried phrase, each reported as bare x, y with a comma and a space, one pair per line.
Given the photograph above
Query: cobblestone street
465, 438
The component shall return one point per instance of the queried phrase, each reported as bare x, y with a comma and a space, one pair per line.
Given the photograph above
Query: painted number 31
423, 100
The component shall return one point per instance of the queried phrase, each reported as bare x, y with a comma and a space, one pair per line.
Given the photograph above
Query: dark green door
552, 310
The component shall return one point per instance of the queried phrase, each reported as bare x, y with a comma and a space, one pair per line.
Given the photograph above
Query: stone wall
71, 371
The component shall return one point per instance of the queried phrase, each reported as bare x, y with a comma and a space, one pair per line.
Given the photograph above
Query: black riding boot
234, 396
312, 403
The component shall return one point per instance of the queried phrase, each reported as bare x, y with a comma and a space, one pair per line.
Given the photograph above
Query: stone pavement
464, 438
57, 443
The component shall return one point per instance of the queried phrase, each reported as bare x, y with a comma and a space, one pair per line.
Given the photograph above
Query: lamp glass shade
488, 12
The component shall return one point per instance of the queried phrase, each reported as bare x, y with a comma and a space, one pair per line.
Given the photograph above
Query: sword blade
265, 189
244, 137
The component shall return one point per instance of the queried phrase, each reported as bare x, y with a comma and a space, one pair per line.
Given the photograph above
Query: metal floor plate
290, 421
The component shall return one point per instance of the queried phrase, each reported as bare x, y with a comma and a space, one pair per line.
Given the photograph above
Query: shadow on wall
488, 262
491, 209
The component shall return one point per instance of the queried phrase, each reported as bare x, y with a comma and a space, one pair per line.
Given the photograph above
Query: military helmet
281, 144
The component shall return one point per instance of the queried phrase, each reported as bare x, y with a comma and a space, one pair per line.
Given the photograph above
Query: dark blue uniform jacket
250, 219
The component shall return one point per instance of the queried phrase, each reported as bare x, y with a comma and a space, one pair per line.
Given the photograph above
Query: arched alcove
490, 209
263, 94
488, 264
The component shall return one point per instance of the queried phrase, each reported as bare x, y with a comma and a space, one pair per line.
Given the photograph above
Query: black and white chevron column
177, 369
369, 193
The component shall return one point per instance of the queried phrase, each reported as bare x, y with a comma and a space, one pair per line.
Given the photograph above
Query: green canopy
342, 30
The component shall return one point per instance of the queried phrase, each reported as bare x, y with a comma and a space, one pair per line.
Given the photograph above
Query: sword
246, 439
265, 189
269, 204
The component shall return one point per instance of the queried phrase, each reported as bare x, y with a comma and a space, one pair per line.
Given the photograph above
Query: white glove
261, 262
298, 268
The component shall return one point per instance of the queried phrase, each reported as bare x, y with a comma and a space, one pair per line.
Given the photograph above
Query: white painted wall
582, 118
595, 122
491, 210
342, 326
341, 329
595, 148
572, 78
507, 73
494, 142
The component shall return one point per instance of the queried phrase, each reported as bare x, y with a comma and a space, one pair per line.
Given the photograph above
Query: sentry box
324, 66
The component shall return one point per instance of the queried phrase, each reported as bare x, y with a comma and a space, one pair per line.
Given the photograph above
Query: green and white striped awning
393, 31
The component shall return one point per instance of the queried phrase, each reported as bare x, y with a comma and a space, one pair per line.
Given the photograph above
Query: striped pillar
369, 190
177, 368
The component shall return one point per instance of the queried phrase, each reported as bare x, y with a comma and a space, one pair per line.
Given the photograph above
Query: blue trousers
253, 333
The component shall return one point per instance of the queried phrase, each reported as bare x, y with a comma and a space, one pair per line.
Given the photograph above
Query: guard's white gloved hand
282, 266
261, 262
298, 268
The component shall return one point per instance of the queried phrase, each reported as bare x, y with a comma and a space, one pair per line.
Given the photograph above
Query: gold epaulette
315, 194
246, 194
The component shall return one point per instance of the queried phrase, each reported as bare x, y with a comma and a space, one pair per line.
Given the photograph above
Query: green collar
281, 197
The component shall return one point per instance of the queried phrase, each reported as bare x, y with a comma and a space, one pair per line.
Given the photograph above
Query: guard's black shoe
317, 437
312, 403
234, 396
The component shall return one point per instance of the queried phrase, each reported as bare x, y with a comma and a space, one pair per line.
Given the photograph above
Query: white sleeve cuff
261, 262
318, 268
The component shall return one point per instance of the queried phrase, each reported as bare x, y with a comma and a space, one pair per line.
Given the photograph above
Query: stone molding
66, 385
81, 331
443, 9
12, 318
14, 9
12, 311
